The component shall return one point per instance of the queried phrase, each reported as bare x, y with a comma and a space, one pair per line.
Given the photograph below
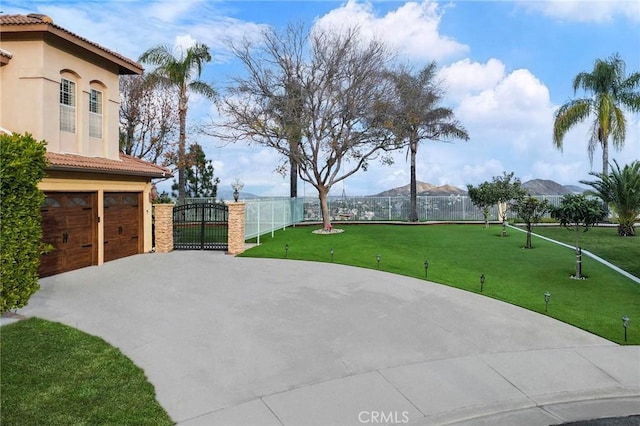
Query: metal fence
430, 208
264, 215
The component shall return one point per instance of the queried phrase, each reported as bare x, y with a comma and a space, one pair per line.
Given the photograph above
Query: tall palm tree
417, 116
183, 73
621, 190
610, 90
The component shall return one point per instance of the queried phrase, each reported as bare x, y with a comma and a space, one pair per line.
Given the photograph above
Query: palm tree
416, 116
620, 189
610, 91
183, 73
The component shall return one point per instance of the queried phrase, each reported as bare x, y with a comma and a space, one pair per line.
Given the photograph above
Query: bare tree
313, 97
148, 118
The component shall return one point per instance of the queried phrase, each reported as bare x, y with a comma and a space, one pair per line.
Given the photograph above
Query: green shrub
22, 163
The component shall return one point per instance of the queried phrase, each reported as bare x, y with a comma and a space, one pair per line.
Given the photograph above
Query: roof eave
125, 67
153, 175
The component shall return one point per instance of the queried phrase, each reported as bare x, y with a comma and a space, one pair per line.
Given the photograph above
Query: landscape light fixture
547, 296
482, 279
331, 251
426, 268
625, 324
378, 257
286, 250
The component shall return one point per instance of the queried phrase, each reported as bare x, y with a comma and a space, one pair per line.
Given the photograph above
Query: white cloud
464, 77
518, 101
586, 10
411, 30
170, 10
183, 43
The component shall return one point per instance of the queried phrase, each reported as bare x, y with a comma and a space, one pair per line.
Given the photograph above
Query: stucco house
64, 89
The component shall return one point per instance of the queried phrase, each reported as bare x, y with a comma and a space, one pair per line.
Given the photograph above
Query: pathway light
378, 257
426, 268
482, 280
625, 324
547, 296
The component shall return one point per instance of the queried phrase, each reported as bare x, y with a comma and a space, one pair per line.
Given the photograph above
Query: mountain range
534, 187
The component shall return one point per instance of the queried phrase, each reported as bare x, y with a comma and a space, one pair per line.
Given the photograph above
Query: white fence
264, 215
445, 208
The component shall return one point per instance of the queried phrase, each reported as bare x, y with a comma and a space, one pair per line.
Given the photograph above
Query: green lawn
56, 375
623, 252
459, 254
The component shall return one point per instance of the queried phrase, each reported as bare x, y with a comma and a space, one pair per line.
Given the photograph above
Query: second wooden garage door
122, 214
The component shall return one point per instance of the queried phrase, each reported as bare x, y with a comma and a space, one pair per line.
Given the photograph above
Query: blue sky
506, 66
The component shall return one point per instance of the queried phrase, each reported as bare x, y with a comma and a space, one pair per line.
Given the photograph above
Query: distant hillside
534, 186
549, 187
227, 194
423, 188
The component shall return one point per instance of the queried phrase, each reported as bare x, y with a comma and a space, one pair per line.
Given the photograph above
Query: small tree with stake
575, 212
483, 197
530, 210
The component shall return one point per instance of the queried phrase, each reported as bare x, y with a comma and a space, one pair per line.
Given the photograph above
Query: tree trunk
578, 268
605, 157
293, 178
413, 215
528, 245
182, 113
324, 207
626, 230
485, 213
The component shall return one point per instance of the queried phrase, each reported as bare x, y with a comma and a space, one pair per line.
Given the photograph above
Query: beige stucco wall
69, 182
30, 102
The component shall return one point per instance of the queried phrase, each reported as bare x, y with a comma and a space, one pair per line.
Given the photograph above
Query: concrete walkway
229, 340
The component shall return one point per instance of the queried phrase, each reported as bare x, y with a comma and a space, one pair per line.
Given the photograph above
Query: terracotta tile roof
35, 19
127, 165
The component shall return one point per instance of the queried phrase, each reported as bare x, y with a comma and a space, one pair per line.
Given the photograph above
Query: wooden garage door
69, 225
122, 212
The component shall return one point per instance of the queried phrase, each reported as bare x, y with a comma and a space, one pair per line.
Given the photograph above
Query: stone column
163, 227
236, 228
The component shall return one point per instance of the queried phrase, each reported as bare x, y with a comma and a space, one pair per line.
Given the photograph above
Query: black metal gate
201, 226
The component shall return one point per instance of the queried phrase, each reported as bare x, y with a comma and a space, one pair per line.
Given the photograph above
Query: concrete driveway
229, 340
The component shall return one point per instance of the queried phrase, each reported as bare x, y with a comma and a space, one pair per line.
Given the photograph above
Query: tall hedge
22, 163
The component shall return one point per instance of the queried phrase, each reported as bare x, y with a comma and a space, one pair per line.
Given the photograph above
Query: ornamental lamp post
625, 324
547, 296
236, 186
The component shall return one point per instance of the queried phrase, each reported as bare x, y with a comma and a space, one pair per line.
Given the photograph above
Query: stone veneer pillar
236, 228
163, 227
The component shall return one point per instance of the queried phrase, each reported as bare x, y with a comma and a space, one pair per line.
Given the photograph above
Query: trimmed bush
22, 163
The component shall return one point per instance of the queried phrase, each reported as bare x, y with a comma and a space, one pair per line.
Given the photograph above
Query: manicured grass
459, 254
56, 375
623, 252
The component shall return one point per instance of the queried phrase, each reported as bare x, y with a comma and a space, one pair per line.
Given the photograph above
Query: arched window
67, 105
95, 114
96, 109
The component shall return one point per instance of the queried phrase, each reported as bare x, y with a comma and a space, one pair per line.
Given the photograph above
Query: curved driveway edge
229, 340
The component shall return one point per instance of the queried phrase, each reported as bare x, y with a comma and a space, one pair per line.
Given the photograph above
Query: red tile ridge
126, 165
